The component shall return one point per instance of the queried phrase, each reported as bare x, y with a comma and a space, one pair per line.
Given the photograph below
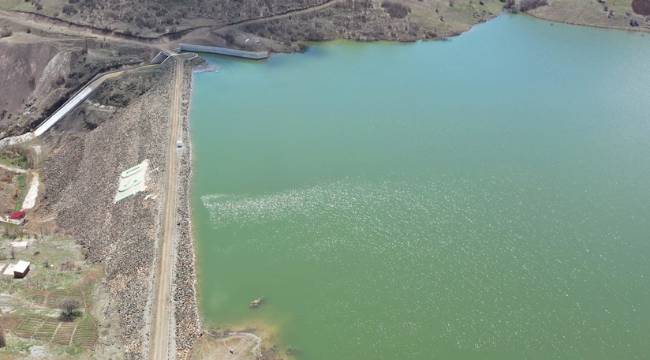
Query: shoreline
188, 326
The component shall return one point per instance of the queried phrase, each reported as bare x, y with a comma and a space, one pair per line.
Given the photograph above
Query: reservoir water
486, 197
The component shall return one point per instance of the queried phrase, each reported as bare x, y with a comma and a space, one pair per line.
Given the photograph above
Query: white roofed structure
21, 268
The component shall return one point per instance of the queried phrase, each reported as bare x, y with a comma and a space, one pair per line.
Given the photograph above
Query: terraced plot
82, 332
86, 333
64, 333
56, 297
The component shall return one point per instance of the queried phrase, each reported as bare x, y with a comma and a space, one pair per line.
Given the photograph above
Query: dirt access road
161, 42
162, 326
45, 24
279, 16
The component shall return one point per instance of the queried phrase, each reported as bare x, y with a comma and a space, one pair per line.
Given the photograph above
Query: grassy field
29, 307
14, 159
22, 190
609, 14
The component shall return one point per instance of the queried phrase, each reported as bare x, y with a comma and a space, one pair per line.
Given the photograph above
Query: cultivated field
30, 307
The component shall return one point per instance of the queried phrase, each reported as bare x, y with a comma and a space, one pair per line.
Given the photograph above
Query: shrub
69, 310
69, 10
395, 10
641, 7
527, 5
4, 32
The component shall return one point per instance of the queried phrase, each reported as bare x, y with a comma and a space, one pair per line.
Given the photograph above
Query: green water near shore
480, 198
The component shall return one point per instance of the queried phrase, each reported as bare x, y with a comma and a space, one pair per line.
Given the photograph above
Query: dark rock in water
293, 352
256, 303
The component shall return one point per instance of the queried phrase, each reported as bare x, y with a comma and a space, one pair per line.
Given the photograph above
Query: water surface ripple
481, 198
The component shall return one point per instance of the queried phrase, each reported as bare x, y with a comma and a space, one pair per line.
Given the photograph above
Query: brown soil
22, 64
246, 342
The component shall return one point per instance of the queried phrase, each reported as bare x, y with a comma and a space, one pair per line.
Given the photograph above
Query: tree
69, 309
527, 5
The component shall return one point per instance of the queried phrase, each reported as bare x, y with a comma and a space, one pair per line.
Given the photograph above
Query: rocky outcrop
22, 64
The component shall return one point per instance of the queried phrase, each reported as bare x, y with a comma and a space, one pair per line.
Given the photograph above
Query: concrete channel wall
76, 99
162, 56
253, 55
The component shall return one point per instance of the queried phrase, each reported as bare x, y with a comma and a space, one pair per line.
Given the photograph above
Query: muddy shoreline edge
188, 325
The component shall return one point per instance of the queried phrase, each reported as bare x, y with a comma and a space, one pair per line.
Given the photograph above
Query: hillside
620, 14
349, 18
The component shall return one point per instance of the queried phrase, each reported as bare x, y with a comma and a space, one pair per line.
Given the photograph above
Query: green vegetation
69, 310
22, 191
51, 305
14, 158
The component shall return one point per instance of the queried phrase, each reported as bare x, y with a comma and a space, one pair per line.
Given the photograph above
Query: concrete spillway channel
85, 92
73, 102
252, 55
61, 112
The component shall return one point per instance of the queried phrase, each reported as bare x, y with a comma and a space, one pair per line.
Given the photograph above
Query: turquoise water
480, 198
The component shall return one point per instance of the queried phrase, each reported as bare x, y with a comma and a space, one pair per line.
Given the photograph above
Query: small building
16, 217
20, 245
21, 268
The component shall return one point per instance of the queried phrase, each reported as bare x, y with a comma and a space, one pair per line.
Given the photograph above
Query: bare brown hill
39, 71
